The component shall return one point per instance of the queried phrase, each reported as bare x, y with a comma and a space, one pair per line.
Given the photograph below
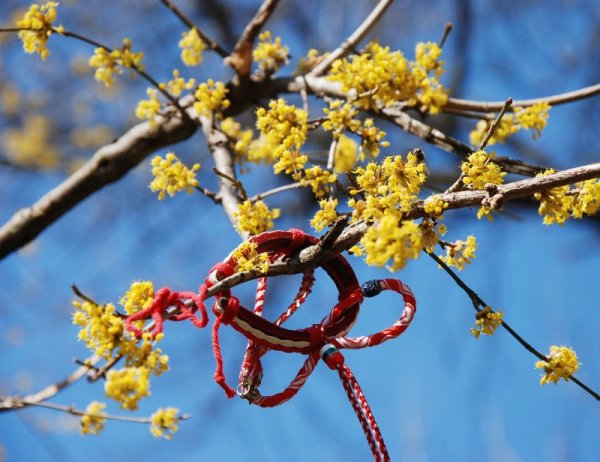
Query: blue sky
437, 394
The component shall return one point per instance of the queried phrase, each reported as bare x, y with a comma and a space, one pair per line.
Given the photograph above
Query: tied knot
162, 301
297, 239
226, 308
317, 336
219, 272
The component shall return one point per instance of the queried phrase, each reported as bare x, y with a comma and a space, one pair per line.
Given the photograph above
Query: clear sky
437, 394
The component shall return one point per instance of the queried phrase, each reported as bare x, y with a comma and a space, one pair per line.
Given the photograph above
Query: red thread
264, 335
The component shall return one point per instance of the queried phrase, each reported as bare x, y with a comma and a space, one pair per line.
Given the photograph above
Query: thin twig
190, 24
241, 56
213, 196
234, 181
495, 125
447, 30
479, 303
277, 190
352, 41
494, 106
76, 412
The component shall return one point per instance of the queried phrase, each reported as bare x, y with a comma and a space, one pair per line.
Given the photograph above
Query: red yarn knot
226, 308
162, 301
317, 336
219, 272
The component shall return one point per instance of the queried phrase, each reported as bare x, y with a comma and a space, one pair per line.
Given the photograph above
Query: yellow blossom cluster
261, 150
346, 154
308, 62
270, 54
371, 137
380, 77
391, 185
285, 127
389, 239
560, 203
127, 386
561, 364
109, 63
101, 328
211, 97
255, 217
326, 215
340, 116
460, 252
534, 118
479, 170
178, 84
36, 25
317, 178
92, 422
240, 139
164, 422
486, 322
149, 108
431, 231
247, 258
434, 206
31, 145
171, 176
192, 47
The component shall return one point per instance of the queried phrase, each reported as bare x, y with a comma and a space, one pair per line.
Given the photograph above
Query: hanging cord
319, 341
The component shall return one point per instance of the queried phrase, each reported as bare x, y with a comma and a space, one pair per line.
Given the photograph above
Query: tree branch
494, 106
109, 164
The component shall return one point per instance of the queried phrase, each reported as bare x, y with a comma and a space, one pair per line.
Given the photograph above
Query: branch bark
107, 165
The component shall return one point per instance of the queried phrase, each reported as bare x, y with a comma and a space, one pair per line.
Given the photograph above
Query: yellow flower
247, 258
555, 203
31, 145
460, 253
430, 233
561, 364
108, 64
391, 239
283, 125
479, 170
192, 47
240, 139
290, 162
533, 118
144, 354
211, 98
255, 218
434, 206
318, 179
379, 77
486, 322
308, 62
101, 328
139, 297
586, 199
148, 108
326, 215
178, 84
262, 150
371, 139
341, 116
171, 176
270, 55
127, 386
164, 422
345, 154
38, 19
92, 423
